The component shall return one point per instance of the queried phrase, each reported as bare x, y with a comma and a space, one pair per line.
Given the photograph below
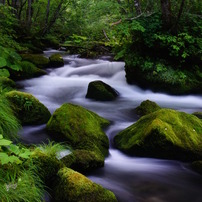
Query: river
132, 179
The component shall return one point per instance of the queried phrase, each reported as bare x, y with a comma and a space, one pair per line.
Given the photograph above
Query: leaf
14, 149
4, 158
4, 142
16, 67
2, 62
4, 73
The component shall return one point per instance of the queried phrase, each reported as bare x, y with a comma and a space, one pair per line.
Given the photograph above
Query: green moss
27, 108
81, 128
39, 60
56, 60
83, 160
99, 90
47, 166
197, 166
29, 70
165, 133
7, 83
147, 107
75, 187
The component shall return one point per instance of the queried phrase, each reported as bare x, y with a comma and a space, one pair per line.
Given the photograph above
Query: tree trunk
47, 16
137, 7
166, 13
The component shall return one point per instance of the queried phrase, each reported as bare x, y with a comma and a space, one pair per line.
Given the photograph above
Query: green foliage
9, 124
51, 149
11, 153
20, 184
9, 59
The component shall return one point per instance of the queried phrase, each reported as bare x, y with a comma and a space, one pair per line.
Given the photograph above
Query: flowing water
130, 178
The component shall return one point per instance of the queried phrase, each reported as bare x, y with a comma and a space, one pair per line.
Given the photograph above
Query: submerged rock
72, 186
165, 133
28, 109
80, 128
39, 60
99, 90
56, 60
147, 107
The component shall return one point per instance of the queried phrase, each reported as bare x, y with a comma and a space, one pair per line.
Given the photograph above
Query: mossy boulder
165, 133
29, 70
101, 91
72, 186
39, 60
28, 109
56, 60
7, 83
80, 128
47, 166
83, 160
147, 107
197, 166
198, 114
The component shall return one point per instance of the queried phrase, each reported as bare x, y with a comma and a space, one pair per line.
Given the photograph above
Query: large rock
80, 128
72, 186
99, 90
165, 133
83, 160
56, 60
39, 60
146, 107
28, 109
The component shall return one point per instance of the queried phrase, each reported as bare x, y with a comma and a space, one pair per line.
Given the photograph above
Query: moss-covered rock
47, 167
99, 90
7, 83
83, 160
197, 166
72, 186
29, 70
81, 128
28, 109
39, 60
56, 60
165, 133
198, 114
147, 107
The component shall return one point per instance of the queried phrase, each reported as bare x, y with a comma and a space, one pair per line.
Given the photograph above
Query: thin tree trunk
47, 16
29, 13
54, 18
180, 11
137, 7
166, 13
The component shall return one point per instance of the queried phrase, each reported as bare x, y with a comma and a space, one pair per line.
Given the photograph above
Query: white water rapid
130, 178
